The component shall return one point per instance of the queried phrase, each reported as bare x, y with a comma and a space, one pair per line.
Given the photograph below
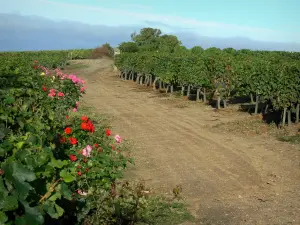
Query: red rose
67, 117
84, 118
73, 158
100, 149
96, 145
113, 147
44, 88
88, 126
78, 167
73, 141
91, 126
79, 173
68, 130
108, 132
84, 126
62, 140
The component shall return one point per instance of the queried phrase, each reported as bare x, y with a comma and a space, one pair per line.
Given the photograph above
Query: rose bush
51, 160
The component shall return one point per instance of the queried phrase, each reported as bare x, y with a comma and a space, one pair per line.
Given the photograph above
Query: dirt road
226, 178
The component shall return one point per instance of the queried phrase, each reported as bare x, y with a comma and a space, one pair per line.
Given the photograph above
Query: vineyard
58, 165
20, 61
268, 79
62, 164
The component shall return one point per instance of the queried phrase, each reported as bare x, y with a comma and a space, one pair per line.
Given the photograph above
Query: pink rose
51, 94
118, 138
82, 193
52, 90
87, 151
60, 94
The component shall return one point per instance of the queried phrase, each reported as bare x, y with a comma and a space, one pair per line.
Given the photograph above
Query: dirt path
226, 179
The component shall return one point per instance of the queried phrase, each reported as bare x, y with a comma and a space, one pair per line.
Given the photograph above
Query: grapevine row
273, 78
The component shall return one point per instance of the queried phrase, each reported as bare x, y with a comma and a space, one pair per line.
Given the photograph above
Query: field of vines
270, 79
17, 62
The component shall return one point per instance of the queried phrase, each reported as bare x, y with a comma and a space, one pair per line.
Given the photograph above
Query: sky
276, 21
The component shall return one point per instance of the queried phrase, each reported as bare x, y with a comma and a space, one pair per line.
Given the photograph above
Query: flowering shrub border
49, 160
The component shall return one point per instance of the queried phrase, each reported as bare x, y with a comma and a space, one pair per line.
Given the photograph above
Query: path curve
226, 179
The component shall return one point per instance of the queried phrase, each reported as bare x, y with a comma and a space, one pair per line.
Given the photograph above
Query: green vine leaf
3, 217
53, 210
9, 203
17, 174
58, 163
67, 177
32, 216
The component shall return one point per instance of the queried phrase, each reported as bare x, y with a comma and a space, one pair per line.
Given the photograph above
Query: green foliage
79, 53
20, 62
132, 203
168, 43
61, 167
295, 139
146, 38
49, 158
197, 50
128, 47
110, 49
271, 76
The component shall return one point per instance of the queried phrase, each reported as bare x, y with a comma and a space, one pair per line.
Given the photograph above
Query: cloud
37, 33
205, 27
165, 26
137, 6
191, 39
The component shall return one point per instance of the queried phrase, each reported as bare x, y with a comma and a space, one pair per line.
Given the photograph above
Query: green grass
76, 66
294, 139
161, 211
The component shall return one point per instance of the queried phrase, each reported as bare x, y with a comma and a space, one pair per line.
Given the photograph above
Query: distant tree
110, 49
181, 49
231, 51
103, 50
197, 50
168, 43
128, 47
147, 39
245, 51
214, 51
146, 36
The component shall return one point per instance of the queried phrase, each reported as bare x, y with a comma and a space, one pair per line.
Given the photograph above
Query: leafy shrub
80, 53
103, 51
49, 160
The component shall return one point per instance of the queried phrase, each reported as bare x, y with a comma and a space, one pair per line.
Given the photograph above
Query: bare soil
227, 177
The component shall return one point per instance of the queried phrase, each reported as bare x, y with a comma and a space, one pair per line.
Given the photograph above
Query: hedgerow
48, 159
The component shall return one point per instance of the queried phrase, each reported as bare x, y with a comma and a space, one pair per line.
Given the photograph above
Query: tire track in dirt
219, 173
217, 160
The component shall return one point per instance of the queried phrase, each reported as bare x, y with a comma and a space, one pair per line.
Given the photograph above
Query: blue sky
263, 20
